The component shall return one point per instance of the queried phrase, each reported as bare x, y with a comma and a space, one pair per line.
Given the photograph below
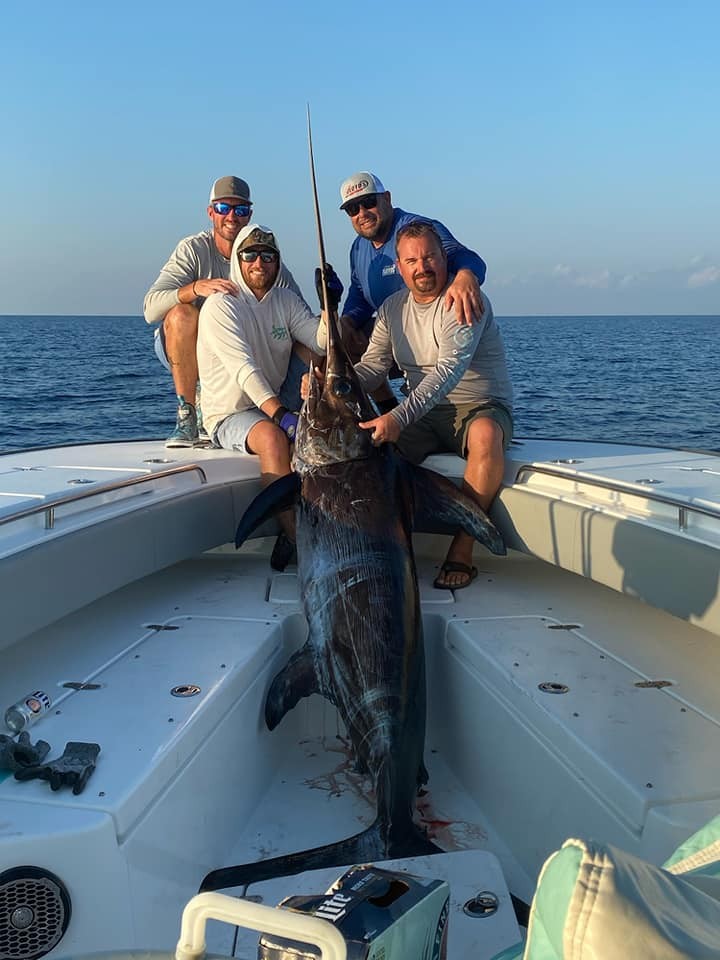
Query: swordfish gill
355, 505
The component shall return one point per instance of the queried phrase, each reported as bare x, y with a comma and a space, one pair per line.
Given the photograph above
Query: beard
425, 282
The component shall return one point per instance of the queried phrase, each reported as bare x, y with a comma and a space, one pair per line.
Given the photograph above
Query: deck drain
81, 685
158, 460
551, 686
185, 690
649, 481
483, 904
653, 684
563, 626
79, 481
567, 460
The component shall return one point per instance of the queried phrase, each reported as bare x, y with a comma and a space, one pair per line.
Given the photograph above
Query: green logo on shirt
279, 333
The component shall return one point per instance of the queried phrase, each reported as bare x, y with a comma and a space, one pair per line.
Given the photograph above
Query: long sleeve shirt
195, 258
244, 348
441, 360
373, 271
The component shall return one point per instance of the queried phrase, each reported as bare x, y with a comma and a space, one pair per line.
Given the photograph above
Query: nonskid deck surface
502, 755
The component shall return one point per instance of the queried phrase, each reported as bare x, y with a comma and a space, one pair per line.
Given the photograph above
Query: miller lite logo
356, 188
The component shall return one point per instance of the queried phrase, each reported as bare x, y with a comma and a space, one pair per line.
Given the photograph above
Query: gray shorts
444, 429
160, 346
231, 433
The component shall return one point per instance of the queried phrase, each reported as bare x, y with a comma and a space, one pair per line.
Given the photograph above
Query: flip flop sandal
454, 566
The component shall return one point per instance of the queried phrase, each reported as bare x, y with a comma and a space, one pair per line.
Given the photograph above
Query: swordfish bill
355, 505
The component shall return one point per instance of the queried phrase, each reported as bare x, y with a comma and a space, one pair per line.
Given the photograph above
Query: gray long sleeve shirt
441, 359
195, 258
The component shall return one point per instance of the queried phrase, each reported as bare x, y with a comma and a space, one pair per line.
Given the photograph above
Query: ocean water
642, 379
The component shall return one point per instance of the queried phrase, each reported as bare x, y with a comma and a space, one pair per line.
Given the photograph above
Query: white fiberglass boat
573, 688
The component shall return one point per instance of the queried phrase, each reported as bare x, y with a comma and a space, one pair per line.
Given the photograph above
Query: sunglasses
250, 256
239, 209
368, 202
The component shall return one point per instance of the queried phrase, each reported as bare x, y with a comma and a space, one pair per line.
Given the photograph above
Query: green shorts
444, 429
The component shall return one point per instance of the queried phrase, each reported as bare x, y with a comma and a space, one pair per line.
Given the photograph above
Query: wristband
279, 414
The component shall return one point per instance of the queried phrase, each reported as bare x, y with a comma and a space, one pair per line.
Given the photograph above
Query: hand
386, 429
464, 294
287, 421
204, 287
334, 287
305, 382
21, 753
72, 769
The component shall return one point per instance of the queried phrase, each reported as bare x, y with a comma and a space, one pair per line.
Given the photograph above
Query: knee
485, 437
269, 442
181, 321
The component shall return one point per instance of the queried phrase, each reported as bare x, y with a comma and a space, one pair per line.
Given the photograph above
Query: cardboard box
381, 914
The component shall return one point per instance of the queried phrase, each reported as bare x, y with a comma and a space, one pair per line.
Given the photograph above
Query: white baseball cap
360, 185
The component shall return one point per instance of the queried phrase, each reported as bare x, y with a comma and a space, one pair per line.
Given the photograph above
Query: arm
181, 281
456, 348
181, 269
305, 327
469, 269
356, 309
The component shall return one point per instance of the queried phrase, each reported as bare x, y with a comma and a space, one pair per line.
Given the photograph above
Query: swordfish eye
341, 387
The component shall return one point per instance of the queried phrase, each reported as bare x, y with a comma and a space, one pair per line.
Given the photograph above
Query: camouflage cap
255, 235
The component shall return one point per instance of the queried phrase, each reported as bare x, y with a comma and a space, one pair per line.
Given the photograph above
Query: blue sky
574, 145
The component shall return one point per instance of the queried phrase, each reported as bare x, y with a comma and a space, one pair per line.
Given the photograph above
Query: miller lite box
381, 914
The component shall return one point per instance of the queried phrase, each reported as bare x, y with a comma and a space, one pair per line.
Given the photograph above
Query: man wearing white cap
373, 270
198, 267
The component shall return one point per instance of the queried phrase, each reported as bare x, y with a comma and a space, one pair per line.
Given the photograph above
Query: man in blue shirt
373, 270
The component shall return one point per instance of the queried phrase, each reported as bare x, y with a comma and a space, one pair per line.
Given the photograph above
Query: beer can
26, 711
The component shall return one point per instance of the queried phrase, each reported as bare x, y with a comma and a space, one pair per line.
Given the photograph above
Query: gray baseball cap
234, 188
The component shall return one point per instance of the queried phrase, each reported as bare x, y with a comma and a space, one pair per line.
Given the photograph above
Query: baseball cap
359, 185
255, 235
233, 187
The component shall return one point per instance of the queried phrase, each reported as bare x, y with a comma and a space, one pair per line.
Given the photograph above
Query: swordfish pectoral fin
296, 680
437, 498
278, 496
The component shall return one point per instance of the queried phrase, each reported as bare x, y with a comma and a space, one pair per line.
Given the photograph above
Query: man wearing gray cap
198, 267
373, 269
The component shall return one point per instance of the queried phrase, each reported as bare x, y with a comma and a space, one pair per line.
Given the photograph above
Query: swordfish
355, 505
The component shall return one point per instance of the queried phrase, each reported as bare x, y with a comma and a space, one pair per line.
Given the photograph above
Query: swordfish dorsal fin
437, 498
278, 496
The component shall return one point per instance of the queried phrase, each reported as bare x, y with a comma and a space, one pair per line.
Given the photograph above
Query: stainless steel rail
617, 486
48, 507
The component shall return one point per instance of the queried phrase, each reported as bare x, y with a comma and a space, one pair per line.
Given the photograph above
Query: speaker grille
34, 913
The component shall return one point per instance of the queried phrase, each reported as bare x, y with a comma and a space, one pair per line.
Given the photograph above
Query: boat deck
616, 745
572, 686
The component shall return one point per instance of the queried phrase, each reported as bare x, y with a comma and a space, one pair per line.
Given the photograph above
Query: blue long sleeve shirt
374, 275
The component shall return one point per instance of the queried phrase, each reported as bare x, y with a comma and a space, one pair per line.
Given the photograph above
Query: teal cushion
595, 901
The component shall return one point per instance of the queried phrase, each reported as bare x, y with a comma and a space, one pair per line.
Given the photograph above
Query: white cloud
704, 278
